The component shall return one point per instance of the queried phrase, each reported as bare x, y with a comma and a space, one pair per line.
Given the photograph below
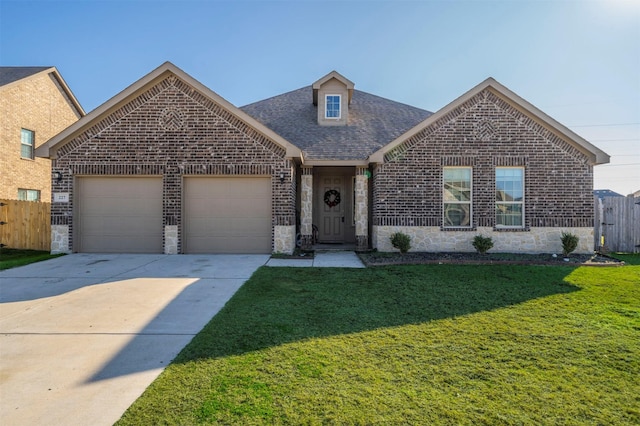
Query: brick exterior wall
483, 133
173, 130
36, 103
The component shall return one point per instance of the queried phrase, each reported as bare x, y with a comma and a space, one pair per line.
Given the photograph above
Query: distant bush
401, 241
569, 243
482, 244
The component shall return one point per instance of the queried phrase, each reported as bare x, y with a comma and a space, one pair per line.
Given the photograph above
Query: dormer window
332, 106
332, 96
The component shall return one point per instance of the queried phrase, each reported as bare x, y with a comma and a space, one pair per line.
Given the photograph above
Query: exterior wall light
281, 177
57, 176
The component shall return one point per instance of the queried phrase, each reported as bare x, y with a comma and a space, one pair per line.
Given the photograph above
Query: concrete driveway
83, 335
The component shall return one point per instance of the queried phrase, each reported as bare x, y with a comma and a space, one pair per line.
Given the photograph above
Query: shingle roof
601, 193
11, 74
373, 123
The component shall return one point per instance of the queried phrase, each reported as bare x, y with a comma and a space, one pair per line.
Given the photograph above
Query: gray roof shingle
11, 74
373, 123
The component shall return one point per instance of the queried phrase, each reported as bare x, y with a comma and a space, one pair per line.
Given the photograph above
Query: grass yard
421, 344
11, 258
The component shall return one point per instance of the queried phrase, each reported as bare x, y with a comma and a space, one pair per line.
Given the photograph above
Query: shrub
569, 242
482, 244
401, 241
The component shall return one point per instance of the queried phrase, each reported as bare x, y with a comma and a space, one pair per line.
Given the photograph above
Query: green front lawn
423, 344
10, 258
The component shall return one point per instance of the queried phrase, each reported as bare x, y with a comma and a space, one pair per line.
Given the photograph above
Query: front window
333, 106
510, 197
27, 139
28, 194
457, 196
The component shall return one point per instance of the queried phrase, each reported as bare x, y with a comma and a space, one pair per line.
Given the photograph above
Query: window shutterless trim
469, 202
23, 194
326, 106
30, 145
516, 203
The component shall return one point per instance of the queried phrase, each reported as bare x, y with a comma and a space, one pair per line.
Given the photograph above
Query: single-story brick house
168, 166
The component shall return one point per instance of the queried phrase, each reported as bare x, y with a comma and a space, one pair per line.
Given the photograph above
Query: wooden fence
26, 225
618, 224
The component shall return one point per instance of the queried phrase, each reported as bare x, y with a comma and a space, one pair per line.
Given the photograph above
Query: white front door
331, 201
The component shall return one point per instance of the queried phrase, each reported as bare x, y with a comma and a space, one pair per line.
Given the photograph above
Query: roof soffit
145, 83
595, 155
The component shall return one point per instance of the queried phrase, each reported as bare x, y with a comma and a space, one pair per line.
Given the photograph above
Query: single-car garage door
119, 214
227, 215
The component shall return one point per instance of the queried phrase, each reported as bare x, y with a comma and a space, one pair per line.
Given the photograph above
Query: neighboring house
35, 105
168, 166
601, 193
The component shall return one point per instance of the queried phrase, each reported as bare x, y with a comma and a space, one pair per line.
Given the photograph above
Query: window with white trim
457, 197
332, 106
28, 194
510, 197
27, 141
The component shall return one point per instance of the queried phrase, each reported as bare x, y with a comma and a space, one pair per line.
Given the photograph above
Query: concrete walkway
322, 259
82, 336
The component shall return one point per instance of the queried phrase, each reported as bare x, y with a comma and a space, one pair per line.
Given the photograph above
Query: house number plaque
60, 197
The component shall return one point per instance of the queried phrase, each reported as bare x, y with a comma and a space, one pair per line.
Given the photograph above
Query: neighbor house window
510, 197
27, 139
333, 106
28, 194
457, 196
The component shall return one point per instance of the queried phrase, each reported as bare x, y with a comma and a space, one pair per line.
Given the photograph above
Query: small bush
569, 243
401, 241
482, 244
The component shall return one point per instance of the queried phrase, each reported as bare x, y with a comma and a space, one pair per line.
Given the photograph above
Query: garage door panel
120, 214
227, 215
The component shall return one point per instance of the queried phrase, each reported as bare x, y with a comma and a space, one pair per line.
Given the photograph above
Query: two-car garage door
220, 214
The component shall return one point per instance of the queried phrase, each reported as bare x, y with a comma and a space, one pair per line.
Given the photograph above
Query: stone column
306, 207
362, 208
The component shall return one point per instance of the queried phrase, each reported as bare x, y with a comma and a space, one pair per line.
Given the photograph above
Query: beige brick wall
39, 104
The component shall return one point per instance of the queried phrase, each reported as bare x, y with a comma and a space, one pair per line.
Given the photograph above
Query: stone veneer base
433, 239
60, 239
171, 239
284, 239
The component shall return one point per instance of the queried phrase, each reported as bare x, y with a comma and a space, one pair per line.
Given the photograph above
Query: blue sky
578, 61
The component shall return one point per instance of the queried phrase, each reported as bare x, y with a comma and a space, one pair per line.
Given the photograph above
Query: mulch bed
378, 259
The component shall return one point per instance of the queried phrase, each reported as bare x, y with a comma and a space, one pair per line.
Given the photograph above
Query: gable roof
48, 149
373, 122
595, 155
11, 75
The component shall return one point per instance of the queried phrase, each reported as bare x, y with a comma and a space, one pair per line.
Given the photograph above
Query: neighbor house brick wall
484, 132
39, 104
173, 130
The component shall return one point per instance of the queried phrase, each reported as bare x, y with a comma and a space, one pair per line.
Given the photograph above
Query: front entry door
332, 201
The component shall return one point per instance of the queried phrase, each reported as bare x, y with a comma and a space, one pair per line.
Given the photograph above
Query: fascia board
139, 86
596, 155
68, 92
378, 156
